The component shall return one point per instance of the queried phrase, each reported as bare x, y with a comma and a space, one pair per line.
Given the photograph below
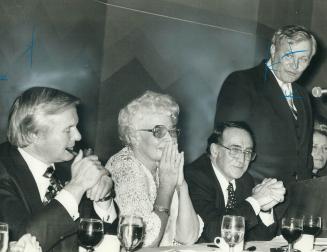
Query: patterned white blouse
136, 192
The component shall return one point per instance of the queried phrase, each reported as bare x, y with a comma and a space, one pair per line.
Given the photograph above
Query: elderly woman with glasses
148, 172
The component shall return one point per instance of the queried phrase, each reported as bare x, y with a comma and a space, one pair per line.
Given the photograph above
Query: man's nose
241, 157
319, 151
295, 64
76, 136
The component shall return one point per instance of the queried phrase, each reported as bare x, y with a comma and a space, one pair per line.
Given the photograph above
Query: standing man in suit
275, 107
220, 185
39, 194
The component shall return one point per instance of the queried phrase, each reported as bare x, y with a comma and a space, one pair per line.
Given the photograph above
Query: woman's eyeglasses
159, 131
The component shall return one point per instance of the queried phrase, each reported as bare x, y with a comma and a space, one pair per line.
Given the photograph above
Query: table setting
297, 234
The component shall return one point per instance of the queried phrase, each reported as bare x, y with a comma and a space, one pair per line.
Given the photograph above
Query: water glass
3, 237
232, 230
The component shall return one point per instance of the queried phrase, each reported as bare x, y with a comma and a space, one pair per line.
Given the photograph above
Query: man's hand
86, 173
27, 243
269, 193
101, 189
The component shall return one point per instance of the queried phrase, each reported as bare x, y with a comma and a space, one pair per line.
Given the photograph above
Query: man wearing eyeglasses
219, 185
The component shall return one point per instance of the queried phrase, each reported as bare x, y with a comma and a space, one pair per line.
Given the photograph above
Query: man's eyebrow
293, 52
236, 145
239, 146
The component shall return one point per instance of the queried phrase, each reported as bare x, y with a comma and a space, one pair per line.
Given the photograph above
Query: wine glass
3, 237
311, 225
232, 230
291, 230
90, 233
130, 231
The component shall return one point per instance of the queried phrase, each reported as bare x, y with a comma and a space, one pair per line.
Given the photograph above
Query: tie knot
287, 90
49, 172
230, 187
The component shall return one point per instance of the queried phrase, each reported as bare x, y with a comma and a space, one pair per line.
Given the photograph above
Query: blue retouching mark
269, 67
292, 96
3, 77
30, 48
293, 52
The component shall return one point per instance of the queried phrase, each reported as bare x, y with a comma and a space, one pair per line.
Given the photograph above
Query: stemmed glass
291, 230
311, 225
90, 233
3, 237
232, 230
130, 231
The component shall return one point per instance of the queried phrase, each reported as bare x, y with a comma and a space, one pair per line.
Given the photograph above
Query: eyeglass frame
244, 152
153, 130
317, 149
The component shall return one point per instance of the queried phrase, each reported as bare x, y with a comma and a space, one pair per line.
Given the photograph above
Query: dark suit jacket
21, 206
283, 144
208, 201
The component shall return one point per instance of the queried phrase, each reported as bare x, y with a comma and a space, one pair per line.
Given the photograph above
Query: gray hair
149, 102
294, 33
320, 126
27, 109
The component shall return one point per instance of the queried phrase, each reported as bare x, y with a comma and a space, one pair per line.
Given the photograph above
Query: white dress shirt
65, 198
286, 88
267, 218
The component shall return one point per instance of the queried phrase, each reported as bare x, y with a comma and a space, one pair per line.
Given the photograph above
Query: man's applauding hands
269, 193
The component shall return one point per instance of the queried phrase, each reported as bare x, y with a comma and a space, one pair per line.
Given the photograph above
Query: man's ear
33, 137
272, 51
214, 150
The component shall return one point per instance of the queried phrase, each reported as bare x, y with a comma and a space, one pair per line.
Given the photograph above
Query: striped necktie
288, 93
54, 187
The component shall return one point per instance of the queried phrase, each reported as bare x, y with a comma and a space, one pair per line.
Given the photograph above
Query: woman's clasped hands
171, 166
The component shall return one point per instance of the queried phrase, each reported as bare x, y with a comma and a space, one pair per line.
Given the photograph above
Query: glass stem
231, 248
290, 247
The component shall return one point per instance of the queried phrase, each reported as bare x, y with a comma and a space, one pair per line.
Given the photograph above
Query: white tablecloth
111, 243
261, 246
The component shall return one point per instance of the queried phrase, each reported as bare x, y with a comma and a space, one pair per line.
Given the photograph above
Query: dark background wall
109, 52
52, 43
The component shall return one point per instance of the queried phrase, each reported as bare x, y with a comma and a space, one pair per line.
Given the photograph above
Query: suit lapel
25, 181
303, 111
220, 201
238, 193
273, 93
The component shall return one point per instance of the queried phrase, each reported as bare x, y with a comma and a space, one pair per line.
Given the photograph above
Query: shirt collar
36, 166
280, 83
222, 180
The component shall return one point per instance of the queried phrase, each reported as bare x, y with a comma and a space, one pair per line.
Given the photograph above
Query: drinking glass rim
131, 215
237, 216
4, 224
311, 216
91, 220
294, 218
